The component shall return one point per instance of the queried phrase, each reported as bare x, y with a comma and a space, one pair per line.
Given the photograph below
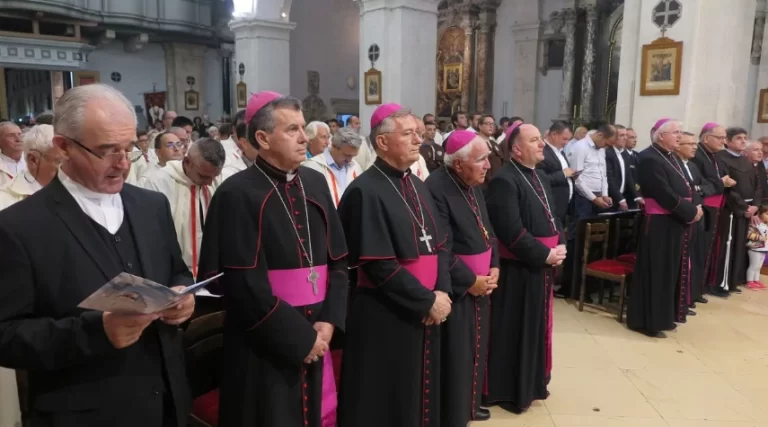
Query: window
555, 53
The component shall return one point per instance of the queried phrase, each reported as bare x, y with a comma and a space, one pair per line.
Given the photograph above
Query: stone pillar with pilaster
183, 61
569, 58
468, 73
484, 58
526, 71
587, 89
263, 47
399, 29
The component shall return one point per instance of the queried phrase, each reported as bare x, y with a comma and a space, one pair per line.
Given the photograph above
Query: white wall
504, 60
326, 40
548, 98
750, 100
139, 71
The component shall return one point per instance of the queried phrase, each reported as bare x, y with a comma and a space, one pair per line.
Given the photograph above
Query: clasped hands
556, 255
603, 202
728, 181
123, 330
322, 342
440, 310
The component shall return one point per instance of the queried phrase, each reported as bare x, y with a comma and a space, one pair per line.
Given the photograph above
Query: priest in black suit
621, 185
85, 367
555, 167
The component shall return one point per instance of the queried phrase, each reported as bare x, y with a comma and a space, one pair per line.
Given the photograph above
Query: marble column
587, 89
569, 29
484, 58
406, 33
526, 70
466, 88
263, 46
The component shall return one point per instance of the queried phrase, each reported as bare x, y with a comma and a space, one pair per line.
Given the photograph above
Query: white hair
346, 136
212, 128
463, 152
655, 135
69, 111
38, 138
312, 129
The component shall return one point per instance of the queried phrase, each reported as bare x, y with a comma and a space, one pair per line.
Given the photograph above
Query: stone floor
710, 372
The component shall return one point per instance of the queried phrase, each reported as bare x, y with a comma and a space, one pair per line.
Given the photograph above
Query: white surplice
189, 206
141, 165
9, 168
21, 187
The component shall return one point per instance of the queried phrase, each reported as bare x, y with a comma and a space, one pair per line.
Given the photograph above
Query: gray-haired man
337, 163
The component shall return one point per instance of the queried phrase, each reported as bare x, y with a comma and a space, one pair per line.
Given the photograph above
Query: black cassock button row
117, 239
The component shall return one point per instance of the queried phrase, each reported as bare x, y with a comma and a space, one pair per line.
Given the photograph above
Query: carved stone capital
757, 39
569, 16
556, 21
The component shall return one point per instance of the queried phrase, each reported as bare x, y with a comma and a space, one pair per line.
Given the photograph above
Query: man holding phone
556, 168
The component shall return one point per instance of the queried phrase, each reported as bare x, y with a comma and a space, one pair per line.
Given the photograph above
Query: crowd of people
377, 256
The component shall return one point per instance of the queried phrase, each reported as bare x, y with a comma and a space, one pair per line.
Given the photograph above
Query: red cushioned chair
204, 344
603, 269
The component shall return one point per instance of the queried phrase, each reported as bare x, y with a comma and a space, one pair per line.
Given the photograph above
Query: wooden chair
604, 268
204, 346
626, 231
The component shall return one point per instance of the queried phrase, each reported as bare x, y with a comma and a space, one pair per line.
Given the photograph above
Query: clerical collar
520, 164
273, 171
390, 170
457, 178
662, 150
733, 153
80, 190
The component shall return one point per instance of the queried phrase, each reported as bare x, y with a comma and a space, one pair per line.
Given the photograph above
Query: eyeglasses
55, 162
172, 145
113, 158
719, 138
408, 133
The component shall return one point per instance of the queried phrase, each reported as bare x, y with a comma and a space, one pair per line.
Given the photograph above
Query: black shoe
720, 292
691, 313
680, 321
510, 407
482, 414
693, 305
735, 290
702, 300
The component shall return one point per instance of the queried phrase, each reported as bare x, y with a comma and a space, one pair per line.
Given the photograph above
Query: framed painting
661, 63
191, 100
762, 107
372, 85
452, 77
242, 95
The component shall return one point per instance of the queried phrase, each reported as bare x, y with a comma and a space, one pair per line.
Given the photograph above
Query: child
757, 236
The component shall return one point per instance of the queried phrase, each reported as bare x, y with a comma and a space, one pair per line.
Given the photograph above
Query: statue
313, 106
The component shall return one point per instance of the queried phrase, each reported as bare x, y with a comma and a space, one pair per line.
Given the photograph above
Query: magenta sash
652, 207
293, 287
480, 264
715, 201
424, 269
550, 242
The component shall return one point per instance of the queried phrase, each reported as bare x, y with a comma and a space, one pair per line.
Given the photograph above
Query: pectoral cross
312, 278
426, 238
485, 233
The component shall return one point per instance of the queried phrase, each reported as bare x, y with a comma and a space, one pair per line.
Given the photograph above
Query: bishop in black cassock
530, 244
474, 274
391, 363
273, 230
662, 263
741, 201
707, 246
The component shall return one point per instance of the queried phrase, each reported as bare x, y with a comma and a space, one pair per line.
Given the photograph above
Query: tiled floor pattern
710, 372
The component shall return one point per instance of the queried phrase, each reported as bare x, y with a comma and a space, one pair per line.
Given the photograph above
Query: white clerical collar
105, 209
734, 154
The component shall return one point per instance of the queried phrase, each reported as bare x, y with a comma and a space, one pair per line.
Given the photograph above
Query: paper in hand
129, 294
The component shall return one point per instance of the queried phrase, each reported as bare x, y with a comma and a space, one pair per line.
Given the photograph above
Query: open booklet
129, 294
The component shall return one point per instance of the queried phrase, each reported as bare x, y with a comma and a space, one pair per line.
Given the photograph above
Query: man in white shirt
11, 152
588, 158
43, 161
621, 186
420, 168
189, 185
319, 135
244, 156
337, 163
578, 135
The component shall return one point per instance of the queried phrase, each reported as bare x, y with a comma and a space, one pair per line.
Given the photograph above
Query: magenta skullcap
457, 140
258, 101
511, 129
382, 112
659, 124
708, 127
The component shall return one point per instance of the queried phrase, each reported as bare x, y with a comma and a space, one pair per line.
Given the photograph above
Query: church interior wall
212, 101
750, 100
504, 59
327, 40
138, 71
548, 99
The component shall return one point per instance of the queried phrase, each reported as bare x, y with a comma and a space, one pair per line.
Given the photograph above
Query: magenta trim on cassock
715, 201
424, 269
329, 401
293, 287
652, 207
480, 264
550, 242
